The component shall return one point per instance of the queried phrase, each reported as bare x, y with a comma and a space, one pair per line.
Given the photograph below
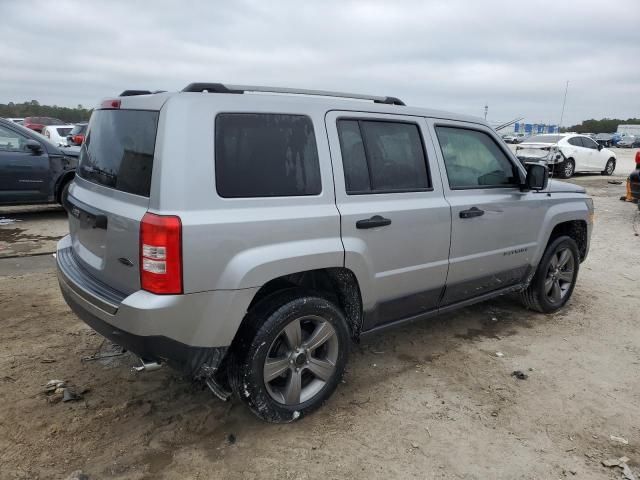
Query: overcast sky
454, 55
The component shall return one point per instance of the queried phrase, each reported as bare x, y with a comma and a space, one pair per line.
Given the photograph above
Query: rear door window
575, 141
119, 148
265, 155
382, 156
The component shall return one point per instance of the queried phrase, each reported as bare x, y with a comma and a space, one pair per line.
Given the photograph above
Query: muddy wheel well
66, 178
577, 230
338, 285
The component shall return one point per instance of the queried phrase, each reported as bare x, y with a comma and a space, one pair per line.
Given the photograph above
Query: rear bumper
186, 331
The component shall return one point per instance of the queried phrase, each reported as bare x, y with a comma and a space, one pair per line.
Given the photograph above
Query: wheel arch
61, 182
337, 284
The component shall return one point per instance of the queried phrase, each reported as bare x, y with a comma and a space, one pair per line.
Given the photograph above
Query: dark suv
32, 169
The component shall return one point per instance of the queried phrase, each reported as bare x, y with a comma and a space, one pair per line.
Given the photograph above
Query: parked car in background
76, 135
38, 123
508, 138
16, 120
32, 169
250, 251
57, 134
520, 137
566, 154
604, 139
629, 141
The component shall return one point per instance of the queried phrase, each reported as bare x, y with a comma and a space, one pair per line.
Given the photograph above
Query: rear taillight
638, 159
161, 254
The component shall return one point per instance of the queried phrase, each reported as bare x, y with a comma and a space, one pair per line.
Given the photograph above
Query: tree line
605, 125
34, 109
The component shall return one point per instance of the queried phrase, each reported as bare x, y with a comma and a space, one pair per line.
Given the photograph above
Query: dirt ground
429, 400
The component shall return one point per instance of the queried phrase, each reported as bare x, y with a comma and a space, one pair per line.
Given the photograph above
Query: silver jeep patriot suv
246, 235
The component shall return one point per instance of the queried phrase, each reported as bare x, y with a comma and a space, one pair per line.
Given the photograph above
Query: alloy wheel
301, 360
560, 275
568, 169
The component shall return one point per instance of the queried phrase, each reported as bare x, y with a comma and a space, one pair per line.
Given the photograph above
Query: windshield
544, 139
118, 150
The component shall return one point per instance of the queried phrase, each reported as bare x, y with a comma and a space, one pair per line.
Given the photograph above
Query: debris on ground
78, 475
231, 438
615, 182
519, 375
57, 390
622, 463
499, 354
621, 440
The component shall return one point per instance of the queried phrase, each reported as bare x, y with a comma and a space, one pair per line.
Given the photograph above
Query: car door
23, 175
494, 225
595, 159
575, 149
395, 222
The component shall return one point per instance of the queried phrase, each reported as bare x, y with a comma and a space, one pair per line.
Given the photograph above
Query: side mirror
34, 146
537, 176
600, 147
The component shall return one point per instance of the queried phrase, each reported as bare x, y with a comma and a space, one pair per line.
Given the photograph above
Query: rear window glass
78, 129
265, 155
118, 150
63, 131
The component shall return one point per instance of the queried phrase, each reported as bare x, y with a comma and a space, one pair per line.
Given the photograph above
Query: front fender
565, 210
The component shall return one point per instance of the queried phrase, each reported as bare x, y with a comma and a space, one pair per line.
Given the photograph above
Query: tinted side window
265, 155
381, 156
575, 141
587, 142
474, 160
354, 160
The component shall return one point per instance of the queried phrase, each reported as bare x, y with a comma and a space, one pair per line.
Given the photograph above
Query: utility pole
566, 88
486, 109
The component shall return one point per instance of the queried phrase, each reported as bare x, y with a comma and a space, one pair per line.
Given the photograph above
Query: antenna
486, 109
566, 89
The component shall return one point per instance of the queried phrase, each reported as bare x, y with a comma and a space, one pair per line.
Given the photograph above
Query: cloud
452, 55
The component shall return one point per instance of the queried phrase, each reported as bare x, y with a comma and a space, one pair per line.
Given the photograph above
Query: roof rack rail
222, 88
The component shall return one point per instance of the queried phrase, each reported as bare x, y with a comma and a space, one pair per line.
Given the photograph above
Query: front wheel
610, 167
555, 277
290, 357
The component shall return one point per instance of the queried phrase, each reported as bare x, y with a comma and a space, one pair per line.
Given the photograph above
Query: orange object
628, 197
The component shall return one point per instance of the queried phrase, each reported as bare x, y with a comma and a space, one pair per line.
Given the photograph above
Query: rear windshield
78, 129
118, 150
63, 131
544, 139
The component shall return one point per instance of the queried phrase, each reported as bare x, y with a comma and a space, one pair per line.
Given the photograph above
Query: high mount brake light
110, 104
161, 254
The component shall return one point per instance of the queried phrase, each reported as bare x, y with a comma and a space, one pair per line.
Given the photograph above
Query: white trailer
625, 130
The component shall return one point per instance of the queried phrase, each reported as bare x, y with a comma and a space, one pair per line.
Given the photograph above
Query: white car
566, 154
57, 134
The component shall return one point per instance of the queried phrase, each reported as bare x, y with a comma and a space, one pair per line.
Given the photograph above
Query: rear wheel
555, 277
610, 167
290, 357
567, 168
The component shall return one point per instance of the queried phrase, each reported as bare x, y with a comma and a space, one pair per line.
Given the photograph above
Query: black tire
264, 328
535, 296
610, 167
567, 168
